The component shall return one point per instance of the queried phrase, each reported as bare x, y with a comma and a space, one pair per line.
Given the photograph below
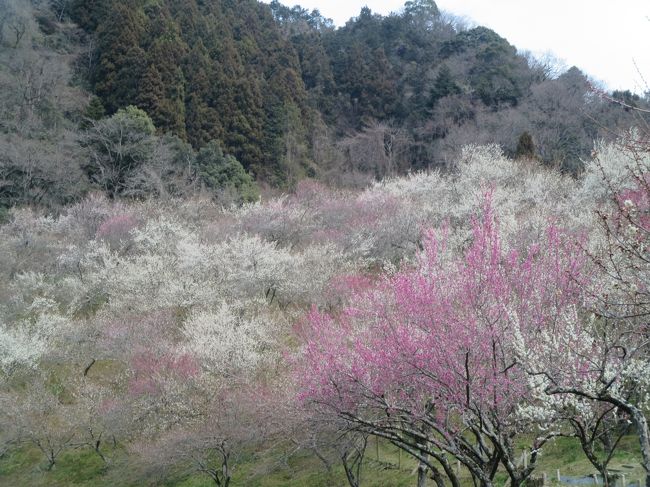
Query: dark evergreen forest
274, 94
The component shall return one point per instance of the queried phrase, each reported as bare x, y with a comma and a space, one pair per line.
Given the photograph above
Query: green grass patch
382, 467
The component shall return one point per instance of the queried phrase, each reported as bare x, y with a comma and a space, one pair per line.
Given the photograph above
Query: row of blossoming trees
457, 316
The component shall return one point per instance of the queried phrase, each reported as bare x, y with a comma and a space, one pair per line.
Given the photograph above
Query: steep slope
203, 71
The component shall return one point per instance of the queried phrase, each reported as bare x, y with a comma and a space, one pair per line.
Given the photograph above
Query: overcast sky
603, 38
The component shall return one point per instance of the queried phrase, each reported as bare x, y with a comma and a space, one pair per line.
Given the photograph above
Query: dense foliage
59, 142
203, 71
277, 88
266, 80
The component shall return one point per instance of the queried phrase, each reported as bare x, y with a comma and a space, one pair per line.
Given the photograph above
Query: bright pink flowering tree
429, 358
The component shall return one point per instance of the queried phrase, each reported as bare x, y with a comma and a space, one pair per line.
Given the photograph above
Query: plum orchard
155, 327
460, 355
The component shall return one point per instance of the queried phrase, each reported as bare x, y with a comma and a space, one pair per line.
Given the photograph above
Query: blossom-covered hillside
500, 298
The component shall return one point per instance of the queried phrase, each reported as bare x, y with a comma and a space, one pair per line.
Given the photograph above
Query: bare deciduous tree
379, 149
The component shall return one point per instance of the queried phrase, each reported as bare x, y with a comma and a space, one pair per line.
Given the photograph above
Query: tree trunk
353, 481
438, 479
643, 433
51, 461
98, 451
422, 475
225, 479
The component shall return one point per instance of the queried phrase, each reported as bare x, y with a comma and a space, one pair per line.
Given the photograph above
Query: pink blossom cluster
634, 205
152, 371
446, 334
117, 227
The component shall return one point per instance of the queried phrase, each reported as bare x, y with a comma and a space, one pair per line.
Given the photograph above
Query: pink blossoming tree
430, 358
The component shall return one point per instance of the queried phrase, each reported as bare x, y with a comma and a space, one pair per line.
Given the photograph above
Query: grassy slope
24, 467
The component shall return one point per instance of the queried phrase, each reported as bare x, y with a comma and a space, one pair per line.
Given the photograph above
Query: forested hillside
203, 71
276, 89
264, 88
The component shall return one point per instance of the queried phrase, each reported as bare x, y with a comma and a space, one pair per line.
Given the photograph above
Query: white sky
604, 38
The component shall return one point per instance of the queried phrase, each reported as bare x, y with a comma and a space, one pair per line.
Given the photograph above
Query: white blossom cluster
227, 286
228, 337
